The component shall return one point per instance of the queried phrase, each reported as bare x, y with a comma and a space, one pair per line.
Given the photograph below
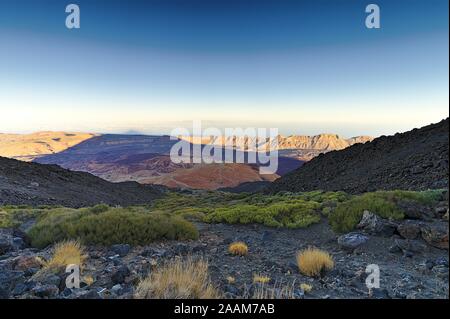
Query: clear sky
305, 67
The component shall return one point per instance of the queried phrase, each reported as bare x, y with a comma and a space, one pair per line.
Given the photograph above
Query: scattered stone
351, 241
436, 234
266, 236
441, 261
45, 291
19, 289
410, 246
116, 288
181, 249
409, 229
121, 249
379, 294
4, 294
374, 225
120, 275
23, 263
414, 210
90, 294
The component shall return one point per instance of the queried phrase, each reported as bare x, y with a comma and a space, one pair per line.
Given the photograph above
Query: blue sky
305, 67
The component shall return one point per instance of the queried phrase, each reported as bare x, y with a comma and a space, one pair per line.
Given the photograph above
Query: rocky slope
35, 184
414, 160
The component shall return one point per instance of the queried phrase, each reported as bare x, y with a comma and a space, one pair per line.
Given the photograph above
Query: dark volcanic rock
351, 241
58, 186
415, 160
374, 225
409, 229
436, 234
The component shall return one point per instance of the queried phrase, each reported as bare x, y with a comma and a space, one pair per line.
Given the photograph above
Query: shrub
66, 253
100, 208
275, 291
257, 278
383, 203
238, 248
312, 262
115, 226
231, 279
306, 287
14, 217
291, 214
178, 279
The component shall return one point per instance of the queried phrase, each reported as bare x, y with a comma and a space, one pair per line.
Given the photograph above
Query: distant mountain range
415, 160
145, 158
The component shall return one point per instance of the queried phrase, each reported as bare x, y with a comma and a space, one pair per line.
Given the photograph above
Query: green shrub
14, 216
100, 208
383, 203
293, 214
116, 225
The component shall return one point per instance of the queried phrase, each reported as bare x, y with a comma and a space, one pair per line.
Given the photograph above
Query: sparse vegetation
231, 279
134, 225
275, 291
178, 279
281, 210
313, 262
238, 248
306, 287
14, 216
258, 278
66, 253
383, 203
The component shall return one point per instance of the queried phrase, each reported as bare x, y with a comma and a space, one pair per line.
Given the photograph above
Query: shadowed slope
414, 160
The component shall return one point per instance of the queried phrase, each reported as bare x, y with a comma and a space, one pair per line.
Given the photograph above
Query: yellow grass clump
67, 253
231, 279
306, 288
89, 280
238, 248
260, 279
178, 279
312, 262
275, 291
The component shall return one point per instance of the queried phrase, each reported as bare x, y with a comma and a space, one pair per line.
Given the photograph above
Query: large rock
375, 225
45, 291
351, 241
410, 246
436, 234
10, 240
121, 249
120, 275
409, 229
415, 210
24, 263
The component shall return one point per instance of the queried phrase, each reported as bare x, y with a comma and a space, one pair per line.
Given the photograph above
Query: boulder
121, 249
26, 262
10, 240
120, 274
45, 291
436, 234
5, 246
351, 241
410, 246
409, 229
415, 210
375, 225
